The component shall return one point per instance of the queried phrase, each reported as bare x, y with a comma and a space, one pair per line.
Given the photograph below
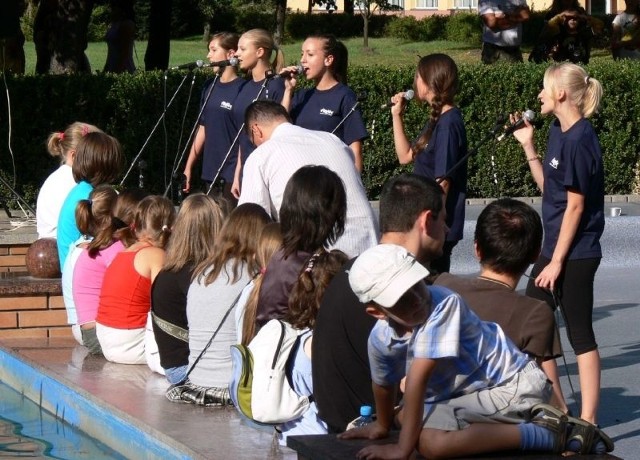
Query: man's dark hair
404, 197
508, 236
313, 211
264, 111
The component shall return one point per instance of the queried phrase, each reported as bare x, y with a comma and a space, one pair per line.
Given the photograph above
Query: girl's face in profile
248, 54
313, 59
547, 101
425, 94
218, 53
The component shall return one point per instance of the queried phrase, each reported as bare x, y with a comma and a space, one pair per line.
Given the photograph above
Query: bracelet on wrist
533, 159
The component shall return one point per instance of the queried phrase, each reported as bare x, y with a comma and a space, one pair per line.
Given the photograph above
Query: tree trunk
68, 36
11, 36
365, 19
281, 10
348, 7
159, 43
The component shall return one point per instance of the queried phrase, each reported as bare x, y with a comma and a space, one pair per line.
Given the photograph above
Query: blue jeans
176, 375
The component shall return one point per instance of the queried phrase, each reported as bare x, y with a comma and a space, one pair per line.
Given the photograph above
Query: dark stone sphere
42, 259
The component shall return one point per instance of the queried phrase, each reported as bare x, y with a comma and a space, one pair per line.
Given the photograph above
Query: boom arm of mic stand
484, 140
17, 195
226, 157
193, 130
153, 130
346, 116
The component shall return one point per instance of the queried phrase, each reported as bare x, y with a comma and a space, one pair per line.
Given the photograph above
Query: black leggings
574, 293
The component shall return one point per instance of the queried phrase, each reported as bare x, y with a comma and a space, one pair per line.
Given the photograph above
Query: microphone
191, 65
408, 95
528, 115
232, 62
362, 96
286, 74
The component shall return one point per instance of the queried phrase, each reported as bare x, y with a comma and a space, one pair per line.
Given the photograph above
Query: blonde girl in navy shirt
571, 179
324, 60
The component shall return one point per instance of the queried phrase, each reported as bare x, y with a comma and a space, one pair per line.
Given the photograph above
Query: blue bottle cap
365, 411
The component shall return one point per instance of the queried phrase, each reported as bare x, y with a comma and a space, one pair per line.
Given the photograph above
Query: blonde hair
263, 39
583, 91
94, 213
153, 220
269, 242
196, 227
60, 143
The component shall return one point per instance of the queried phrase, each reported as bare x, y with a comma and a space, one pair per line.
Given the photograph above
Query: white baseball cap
383, 273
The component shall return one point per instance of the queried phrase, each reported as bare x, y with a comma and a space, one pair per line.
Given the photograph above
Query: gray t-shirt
506, 37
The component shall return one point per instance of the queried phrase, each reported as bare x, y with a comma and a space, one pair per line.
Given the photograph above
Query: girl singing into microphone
324, 60
217, 128
441, 144
255, 48
571, 177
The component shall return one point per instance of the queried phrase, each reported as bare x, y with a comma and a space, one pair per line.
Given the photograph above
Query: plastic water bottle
365, 417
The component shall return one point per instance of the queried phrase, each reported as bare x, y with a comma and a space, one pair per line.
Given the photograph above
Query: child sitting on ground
125, 297
469, 390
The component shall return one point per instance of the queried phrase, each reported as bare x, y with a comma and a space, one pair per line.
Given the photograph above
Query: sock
574, 445
535, 437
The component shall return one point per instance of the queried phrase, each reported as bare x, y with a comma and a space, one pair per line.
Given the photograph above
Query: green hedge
128, 106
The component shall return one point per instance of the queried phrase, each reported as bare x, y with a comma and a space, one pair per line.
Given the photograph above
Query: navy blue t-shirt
220, 128
273, 91
323, 110
573, 161
448, 144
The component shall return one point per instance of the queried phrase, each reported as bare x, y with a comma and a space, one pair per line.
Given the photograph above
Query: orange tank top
125, 297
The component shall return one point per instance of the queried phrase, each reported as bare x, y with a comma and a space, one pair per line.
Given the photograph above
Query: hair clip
586, 80
311, 263
61, 135
90, 201
85, 130
165, 228
263, 270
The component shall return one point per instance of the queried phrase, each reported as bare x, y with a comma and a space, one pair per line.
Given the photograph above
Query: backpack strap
170, 328
216, 332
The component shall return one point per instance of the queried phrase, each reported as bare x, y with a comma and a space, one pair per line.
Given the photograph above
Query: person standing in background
502, 29
120, 38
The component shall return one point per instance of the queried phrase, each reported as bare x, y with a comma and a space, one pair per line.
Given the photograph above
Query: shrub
465, 28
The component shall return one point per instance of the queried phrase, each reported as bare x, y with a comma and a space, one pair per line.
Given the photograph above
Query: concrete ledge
124, 406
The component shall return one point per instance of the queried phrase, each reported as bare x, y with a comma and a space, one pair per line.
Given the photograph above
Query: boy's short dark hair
98, 159
264, 111
404, 197
508, 236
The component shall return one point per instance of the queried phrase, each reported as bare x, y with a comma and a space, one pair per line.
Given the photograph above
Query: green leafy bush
464, 27
128, 106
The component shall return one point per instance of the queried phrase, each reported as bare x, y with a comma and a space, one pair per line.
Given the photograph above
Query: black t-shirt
340, 364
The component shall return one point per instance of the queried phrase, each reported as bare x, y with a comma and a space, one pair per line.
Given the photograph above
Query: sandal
585, 433
553, 420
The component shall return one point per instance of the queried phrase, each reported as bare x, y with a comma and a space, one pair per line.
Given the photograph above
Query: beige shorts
124, 346
510, 402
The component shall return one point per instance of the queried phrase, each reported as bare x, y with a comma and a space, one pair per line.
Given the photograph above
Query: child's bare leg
475, 439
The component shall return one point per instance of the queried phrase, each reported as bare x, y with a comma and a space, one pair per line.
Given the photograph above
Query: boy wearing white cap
468, 389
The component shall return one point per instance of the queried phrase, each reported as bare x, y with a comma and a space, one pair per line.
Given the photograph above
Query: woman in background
120, 38
440, 145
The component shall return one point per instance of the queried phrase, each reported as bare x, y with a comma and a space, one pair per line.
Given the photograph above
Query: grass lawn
388, 51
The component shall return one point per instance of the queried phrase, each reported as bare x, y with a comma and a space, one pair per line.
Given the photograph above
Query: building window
427, 3
397, 3
466, 4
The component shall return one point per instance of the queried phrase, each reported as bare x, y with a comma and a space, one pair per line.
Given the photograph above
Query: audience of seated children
98, 160
410, 206
303, 309
215, 290
508, 238
468, 390
111, 234
312, 217
57, 186
194, 233
245, 314
125, 297
104, 197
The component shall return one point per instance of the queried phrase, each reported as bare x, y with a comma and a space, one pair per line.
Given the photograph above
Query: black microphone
232, 62
286, 74
362, 96
191, 65
528, 115
408, 95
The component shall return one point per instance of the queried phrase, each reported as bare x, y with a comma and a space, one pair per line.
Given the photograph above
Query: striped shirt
271, 165
472, 354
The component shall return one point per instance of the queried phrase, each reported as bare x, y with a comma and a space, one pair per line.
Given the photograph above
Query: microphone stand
18, 197
269, 74
361, 97
176, 164
491, 134
153, 130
